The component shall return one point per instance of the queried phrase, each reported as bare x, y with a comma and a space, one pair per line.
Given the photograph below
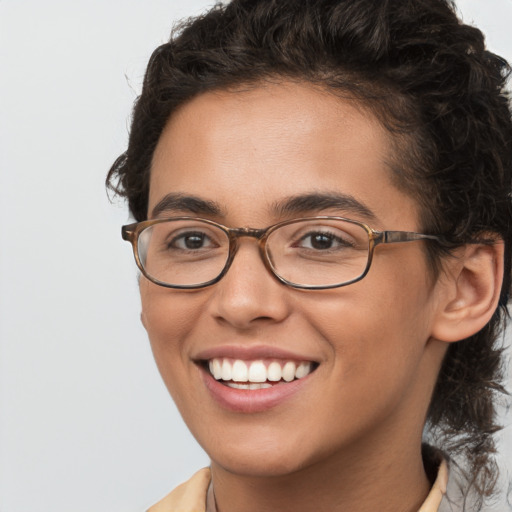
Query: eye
323, 241
191, 241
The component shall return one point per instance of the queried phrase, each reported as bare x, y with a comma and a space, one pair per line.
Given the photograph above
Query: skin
350, 439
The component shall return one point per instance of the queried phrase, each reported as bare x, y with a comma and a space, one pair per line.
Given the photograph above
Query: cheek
168, 317
376, 330
168, 314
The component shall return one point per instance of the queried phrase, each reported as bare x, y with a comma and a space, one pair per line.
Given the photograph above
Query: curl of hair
433, 85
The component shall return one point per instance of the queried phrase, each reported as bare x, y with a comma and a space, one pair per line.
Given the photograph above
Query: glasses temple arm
389, 237
127, 232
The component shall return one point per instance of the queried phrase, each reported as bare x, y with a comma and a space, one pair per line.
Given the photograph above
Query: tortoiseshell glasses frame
132, 232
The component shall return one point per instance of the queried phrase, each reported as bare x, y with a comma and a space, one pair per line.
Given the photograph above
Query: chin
266, 458
260, 465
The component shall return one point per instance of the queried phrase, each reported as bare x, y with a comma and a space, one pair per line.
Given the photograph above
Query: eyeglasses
311, 253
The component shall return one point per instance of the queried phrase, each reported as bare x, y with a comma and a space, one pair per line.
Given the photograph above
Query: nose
249, 295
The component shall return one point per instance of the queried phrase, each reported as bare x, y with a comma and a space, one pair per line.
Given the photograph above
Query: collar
196, 494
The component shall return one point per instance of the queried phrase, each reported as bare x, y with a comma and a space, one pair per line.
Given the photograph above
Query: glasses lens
319, 252
183, 252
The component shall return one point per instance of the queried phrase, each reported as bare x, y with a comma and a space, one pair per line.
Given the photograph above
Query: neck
360, 481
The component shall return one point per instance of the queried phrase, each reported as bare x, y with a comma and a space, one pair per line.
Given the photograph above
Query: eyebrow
180, 203
295, 205
315, 202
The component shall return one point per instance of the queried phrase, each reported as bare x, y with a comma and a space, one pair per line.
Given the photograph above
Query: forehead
247, 149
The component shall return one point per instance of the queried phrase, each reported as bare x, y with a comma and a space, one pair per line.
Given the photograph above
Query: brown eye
191, 241
322, 241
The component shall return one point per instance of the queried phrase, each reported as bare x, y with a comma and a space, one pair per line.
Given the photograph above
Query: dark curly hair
433, 85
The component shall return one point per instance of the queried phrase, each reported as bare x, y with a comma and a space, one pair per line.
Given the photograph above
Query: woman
323, 228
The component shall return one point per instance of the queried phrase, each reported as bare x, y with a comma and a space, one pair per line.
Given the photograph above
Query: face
367, 346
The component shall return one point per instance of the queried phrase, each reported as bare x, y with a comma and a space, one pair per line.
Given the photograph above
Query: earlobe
471, 290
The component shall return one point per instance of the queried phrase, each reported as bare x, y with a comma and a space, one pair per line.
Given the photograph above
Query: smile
257, 374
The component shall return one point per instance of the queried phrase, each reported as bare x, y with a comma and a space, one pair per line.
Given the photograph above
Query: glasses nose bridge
236, 233
259, 234
250, 232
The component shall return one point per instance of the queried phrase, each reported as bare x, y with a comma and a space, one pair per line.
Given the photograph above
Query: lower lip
252, 400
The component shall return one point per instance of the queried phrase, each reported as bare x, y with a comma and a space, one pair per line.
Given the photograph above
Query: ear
143, 319
471, 286
143, 282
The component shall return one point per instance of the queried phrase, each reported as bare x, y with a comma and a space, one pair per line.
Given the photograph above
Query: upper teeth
257, 371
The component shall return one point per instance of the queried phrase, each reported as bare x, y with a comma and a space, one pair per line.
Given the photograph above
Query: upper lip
251, 353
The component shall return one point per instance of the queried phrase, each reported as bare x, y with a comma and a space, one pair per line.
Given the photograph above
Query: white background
85, 423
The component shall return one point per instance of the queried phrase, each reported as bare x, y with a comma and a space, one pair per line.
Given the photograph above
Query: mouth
257, 374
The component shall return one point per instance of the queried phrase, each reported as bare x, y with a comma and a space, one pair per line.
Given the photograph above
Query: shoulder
190, 496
